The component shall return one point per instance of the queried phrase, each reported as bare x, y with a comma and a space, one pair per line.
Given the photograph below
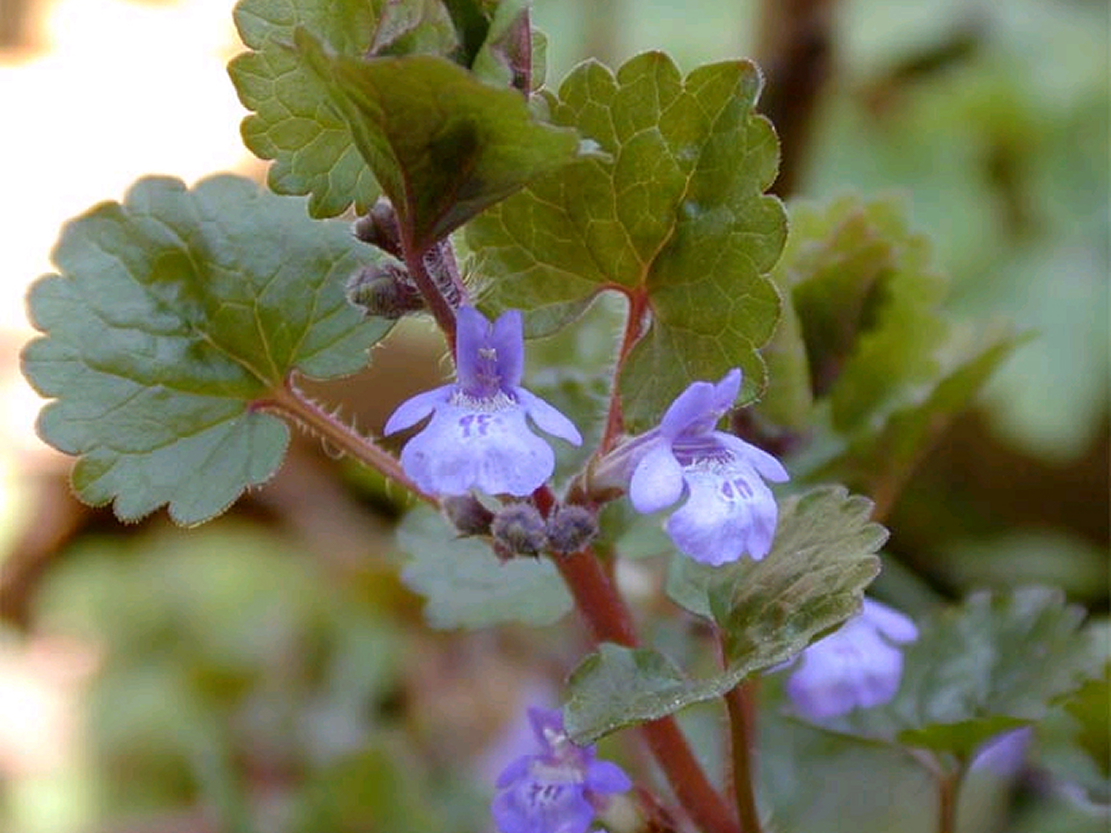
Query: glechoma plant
181, 320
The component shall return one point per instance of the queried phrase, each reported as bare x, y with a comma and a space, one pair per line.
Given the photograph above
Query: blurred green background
269, 672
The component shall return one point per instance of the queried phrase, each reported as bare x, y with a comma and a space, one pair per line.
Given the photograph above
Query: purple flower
856, 666
729, 509
558, 790
478, 436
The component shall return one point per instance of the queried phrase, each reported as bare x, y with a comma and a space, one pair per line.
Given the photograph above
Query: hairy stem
434, 297
290, 401
609, 620
741, 706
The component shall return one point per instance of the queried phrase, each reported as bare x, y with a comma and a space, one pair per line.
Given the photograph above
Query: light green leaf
766, 611
788, 400
673, 216
996, 662
863, 288
878, 462
467, 586
173, 315
290, 122
443, 145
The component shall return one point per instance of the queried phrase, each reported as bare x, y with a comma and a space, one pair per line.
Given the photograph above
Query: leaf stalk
291, 401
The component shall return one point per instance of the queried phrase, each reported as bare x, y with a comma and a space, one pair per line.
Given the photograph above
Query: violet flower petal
764, 463
416, 408
548, 418
508, 340
853, 667
889, 622
462, 448
533, 805
607, 777
472, 332
657, 481
730, 512
726, 391
689, 408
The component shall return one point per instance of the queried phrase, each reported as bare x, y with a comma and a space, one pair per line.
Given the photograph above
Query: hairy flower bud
384, 290
570, 528
519, 529
380, 228
467, 514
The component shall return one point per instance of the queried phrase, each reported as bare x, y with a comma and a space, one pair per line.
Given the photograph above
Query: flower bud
570, 528
519, 529
467, 514
380, 228
384, 290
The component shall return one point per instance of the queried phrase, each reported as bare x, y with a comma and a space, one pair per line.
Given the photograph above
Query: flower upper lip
479, 435
729, 509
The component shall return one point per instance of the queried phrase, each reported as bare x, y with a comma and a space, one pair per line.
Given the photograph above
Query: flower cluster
857, 666
478, 437
559, 789
729, 511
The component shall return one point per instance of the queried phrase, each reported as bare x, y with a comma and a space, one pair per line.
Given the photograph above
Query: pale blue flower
729, 510
860, 665
558, 789
478, 436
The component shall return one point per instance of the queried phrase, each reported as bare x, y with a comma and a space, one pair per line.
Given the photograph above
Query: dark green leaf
467, 586
173, 314
767, 611
443, 145
673, 216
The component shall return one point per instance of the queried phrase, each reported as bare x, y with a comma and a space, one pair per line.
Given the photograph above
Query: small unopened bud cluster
518, 529
467, 514
570, 528
384, 290
380, 228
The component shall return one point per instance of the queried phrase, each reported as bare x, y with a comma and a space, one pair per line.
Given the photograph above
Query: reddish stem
615, 419
741, 706
290, 401
610, 621
439, 306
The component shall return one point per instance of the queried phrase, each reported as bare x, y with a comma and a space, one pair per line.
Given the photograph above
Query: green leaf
173, 314
766, 611
864, 291
788, 400
443, 145
467, 586
290, 123
878, 462
996, 662
673, 216
512, 50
